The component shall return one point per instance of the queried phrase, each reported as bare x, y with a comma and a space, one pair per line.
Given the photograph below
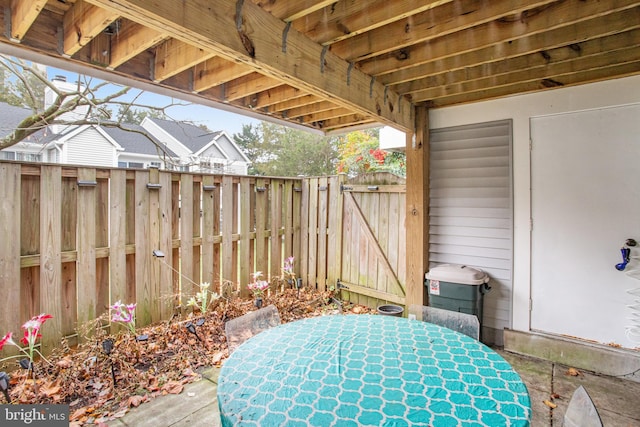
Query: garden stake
4, 385
192, 328
107, 346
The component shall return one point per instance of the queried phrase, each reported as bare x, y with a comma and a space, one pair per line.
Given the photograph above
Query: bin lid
456, 273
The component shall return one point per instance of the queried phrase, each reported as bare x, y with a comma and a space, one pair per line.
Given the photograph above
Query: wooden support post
417, 222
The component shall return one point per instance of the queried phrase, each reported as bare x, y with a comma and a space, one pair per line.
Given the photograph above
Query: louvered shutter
471, 208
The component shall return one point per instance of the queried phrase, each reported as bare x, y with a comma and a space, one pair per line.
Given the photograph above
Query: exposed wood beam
515, 68
572, 11
345, 122
559, 37
557, 71
272, 96
23, 14
247, 85
131, 39
417, 208
174, 56
217, 71
445, 19
289, 11
82, 22
571, 79
294, 103
344, 19
325, 115
310, 109
255, 37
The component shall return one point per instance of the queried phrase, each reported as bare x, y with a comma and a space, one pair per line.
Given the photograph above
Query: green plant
203, 299
258, 286
31, 334
125, 314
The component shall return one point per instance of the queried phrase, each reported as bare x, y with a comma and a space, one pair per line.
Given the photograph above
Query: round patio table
369, 370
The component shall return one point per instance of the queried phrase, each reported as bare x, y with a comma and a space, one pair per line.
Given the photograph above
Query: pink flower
6, 339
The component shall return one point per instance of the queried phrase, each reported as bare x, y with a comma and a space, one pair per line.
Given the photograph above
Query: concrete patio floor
616, 399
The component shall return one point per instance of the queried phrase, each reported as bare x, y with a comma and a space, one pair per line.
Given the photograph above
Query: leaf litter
99, 387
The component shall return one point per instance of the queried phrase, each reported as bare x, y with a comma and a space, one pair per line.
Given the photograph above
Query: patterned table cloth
369, 370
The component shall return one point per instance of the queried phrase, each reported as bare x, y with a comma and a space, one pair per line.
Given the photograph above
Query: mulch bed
101, 385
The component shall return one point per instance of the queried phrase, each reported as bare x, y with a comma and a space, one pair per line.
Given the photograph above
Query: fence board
262, 217
296, 209
334, 236
187, 283
10, 195
154, 218
196, 197
227, 228
50, 254
245, 224
304, 231
87, 289
143, 295
207, 230
276, 228
313, 232
117, 238
102, 242
165, 215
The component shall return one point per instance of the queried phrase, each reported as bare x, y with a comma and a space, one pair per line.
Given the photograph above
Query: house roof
193, 137
333, 65
10, 118
135, 139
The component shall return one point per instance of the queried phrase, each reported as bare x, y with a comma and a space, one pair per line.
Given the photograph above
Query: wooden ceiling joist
23, 14
174, 56
131, 39
216, 71
478, 37
547, 71
293, 103
578, 54
550, 82
342, 20
290, 11
82, 22
564, 36
243, 32
325, 115
447, 18
247, 85
272, 96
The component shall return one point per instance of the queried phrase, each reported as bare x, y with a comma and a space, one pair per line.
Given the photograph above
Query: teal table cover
369, 370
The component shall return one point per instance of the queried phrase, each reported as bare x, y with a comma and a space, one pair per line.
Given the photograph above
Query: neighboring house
201, 149
28, 150
160, 143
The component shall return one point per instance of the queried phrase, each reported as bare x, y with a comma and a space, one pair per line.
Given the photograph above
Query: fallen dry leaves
100, 387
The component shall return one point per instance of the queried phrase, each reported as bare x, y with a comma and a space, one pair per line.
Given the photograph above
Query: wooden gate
373, 240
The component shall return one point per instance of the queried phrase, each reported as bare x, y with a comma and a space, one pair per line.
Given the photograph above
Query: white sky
213, 118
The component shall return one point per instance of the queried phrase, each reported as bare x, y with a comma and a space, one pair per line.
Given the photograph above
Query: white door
585, 169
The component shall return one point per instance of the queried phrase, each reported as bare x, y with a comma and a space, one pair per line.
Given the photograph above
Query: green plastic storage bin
457, 288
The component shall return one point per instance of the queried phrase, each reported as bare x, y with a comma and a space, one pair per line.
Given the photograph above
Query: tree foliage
360, 153
276, 150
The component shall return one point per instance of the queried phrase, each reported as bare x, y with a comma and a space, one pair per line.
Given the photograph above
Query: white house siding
470, 210
521, 109
90, 148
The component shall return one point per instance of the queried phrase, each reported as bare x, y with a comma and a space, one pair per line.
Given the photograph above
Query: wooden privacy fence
74, 240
